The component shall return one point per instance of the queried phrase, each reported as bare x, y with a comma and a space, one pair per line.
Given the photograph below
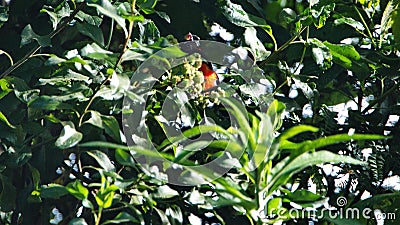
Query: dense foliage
317, 121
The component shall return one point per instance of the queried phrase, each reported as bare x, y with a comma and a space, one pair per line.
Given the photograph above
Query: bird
211, 79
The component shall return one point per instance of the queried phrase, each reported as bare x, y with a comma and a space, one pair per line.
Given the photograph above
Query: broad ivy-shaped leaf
106, 8
256, 46
28, 35
238, 16
62, 11
321, 53
108, 123
92, 31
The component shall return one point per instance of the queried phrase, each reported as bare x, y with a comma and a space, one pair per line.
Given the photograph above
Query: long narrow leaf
284, 170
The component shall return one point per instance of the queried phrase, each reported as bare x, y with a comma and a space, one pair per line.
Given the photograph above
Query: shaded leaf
53, 191
28, 35
92, 31
8, 194
122, 217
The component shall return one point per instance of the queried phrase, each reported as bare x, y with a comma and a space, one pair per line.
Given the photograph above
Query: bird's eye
189, 37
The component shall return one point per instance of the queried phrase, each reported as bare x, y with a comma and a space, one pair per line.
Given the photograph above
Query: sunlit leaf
69, 137
77, 190
106, 8
5, 120
321, 53
102, 159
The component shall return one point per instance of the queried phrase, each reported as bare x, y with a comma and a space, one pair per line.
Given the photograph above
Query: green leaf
77, 190
321, 12
47, 103
28, 35
329, 140
54, 191
165, 192
293, 131
285, 169
135, 149
351, 22
108, 123
3, 15
65, 78
300, 195
274, 113
62, 11
146, 6
347, 56
105, 196
94, 51
122, 217
238, 16
102, 159
256, 46
69, 137
124, 158
5, 87
106, 8
77, 221
387, 17
8, 194
321, 53
396, 26
164, 16
5, 120
274, 205
92, 31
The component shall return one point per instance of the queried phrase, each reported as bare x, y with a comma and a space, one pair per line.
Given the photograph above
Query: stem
8, 56
125, 48
365, 25
283, 47
381, 98
38, 47
111, 34
280, 86
98, 217
119, 61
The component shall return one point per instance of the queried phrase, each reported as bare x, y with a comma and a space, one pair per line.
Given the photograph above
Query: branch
38, 47
283, 47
